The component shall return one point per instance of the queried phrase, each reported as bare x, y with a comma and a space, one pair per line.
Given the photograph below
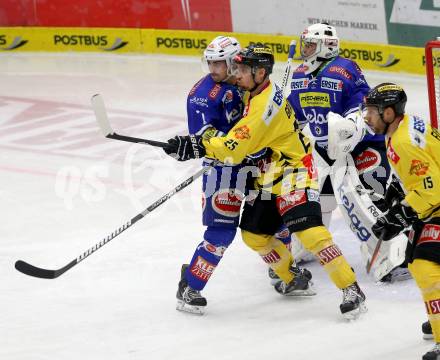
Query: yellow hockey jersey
268, 122
414, 153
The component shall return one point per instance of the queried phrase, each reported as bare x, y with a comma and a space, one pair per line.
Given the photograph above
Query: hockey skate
353, 302
427, 331
299, 286
433, 354
274, 278
188, 299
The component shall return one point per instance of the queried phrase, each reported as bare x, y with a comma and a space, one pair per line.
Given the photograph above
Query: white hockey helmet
221, 48
327, 45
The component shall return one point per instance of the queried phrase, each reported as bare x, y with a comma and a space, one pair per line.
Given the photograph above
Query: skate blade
428, 336
191, 309
354, 314
298, 293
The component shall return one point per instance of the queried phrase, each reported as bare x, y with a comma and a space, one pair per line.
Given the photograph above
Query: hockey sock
427, 276
272, 251
318, 240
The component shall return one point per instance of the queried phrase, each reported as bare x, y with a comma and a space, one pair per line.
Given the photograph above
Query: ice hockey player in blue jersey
214, 105
328, 89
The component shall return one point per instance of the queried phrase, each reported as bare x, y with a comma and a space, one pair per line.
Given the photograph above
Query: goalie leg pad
319, 241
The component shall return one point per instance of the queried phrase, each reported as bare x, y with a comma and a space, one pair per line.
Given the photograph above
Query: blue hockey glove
394, 222
183, 148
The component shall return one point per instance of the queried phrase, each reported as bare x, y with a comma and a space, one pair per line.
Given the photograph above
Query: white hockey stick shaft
286, 76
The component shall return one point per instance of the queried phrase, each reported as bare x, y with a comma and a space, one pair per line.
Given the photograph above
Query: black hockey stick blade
106, 129
37, 272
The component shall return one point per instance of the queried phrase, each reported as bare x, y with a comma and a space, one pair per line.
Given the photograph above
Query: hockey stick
371, 261
292, 48
32, 270
104, 124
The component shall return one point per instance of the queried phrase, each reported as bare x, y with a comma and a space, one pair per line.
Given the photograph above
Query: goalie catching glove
183, 148
394, 222
344, 133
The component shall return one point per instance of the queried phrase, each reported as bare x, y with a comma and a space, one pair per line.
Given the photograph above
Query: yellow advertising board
70, 39
192, 43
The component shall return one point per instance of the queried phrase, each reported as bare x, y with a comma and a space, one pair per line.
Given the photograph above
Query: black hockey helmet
256, 56
387, 95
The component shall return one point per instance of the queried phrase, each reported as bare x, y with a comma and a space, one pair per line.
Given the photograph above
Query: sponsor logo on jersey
299, 84
430, 233
356, 224
433, 306
419, 167
227, 202
228, 97
283, 234
341, 71
214, 91
271, 258
419, 124
367, 160
242, 133
309, 163
289, 201
215, 250
312, 99
331, 84
202, 269
391, 154
313, 195
328, 254
203, 201
301, 69
203, 102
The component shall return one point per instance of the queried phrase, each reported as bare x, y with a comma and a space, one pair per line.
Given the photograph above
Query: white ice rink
63, 187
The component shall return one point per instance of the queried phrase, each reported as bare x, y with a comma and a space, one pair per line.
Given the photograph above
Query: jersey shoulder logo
391, 154
242, 133
341, 71
214, 91
419, 167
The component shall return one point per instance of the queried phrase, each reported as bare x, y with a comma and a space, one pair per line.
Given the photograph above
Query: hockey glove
394, 192
183, 148
394, 222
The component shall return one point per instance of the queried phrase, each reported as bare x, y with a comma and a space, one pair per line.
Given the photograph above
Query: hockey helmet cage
327, 45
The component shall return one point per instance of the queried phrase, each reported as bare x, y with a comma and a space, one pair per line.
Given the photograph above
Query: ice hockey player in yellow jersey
286, 188
413, 151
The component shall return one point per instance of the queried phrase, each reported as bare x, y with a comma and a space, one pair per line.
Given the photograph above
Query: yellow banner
70, 39
192, 43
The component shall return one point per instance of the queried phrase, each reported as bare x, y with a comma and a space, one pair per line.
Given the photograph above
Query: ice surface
63, 188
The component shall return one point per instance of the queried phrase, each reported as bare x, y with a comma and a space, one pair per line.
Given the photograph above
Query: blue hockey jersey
213, 104
339, 87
